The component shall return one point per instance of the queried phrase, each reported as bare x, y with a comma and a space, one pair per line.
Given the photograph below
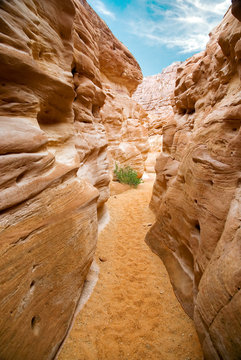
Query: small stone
102, 259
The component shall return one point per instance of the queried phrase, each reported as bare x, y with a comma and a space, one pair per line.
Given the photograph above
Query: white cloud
188, 45
213, 7
181, 24
101, 8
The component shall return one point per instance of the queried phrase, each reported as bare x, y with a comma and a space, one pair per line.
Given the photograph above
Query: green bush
127, 175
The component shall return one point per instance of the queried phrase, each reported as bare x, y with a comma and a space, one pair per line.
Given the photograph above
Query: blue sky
159, 32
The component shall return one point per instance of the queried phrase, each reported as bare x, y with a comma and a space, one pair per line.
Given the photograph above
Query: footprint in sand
132, 313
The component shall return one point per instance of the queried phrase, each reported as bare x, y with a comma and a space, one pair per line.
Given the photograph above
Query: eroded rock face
156, 95
126, 125
236, 9
197, 193
100, 59
54, 166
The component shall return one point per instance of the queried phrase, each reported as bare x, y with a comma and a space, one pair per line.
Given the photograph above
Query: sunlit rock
197, 193
126, 124
156, 95
54, 165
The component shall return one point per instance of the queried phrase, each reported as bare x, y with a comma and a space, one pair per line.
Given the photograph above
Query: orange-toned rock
112, 77
54, 166
196, 195
155, 148
103, 68
48, 217
156, 95
236, 9
126, 124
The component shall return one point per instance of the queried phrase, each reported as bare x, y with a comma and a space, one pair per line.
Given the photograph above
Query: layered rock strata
156, 95
126, 125
54, 166
197, 193
99, 58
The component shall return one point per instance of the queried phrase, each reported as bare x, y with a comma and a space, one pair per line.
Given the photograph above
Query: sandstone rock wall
90, 137
156, 95
197, 193
100, 59
54, 167
126, 125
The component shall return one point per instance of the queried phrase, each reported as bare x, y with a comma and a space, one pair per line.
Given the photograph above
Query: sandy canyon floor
132, 313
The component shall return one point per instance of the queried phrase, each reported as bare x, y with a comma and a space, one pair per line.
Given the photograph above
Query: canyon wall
109, 67
196, 195
54, 165
156, 96
126, 125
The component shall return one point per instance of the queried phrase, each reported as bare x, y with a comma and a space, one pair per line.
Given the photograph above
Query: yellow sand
132, 313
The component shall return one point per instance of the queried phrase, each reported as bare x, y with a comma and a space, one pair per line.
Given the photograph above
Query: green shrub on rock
127, 175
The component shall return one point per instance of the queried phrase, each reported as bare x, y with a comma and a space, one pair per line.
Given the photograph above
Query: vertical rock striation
197, 193
54, 167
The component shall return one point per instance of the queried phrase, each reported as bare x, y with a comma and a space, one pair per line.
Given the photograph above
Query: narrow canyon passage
132, 312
